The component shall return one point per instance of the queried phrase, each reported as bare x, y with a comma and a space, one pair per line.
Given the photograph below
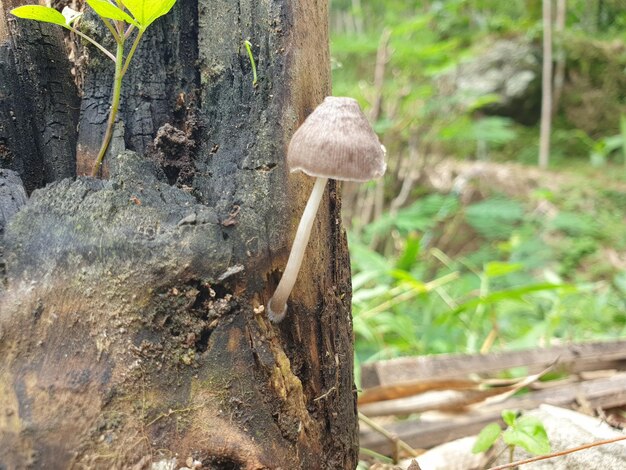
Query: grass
537, 268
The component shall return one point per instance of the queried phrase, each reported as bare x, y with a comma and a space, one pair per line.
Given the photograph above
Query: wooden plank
573, 358
435, 400
408, 389
424, 435
449, 400
600, 393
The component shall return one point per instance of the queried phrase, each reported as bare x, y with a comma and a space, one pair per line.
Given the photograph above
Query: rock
169, 464
453, 455
567, 429
507, 70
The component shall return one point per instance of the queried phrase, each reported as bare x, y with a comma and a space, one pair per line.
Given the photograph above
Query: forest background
467, 245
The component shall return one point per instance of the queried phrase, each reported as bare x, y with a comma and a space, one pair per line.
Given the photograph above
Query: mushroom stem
277, 306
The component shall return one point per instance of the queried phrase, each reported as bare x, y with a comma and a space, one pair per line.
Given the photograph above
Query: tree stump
132, 330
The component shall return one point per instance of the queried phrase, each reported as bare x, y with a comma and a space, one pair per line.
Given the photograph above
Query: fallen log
572, 358
600, 393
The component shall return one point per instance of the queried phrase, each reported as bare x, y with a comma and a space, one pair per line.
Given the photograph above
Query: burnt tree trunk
132, 329
39, 102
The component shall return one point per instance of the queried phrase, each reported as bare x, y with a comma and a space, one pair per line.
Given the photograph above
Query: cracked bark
131, 329
38, 101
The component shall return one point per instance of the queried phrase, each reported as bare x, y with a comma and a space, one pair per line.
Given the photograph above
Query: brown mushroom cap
336, 141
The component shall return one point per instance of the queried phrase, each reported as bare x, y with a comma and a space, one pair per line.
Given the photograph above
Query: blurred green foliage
427, 38
522, 286
440, 273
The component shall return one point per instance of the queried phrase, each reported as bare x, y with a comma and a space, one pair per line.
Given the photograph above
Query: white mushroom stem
277, 306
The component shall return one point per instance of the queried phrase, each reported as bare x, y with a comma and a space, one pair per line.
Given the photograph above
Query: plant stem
376, 455
132, 51
129, 30
87, 38
248, 45
413, 291
115, 104
110, 27
395, 439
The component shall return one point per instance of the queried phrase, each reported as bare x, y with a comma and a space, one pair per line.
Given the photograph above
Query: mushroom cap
336, 141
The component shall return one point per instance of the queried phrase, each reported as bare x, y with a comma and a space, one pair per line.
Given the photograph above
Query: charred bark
12, 198
38, 101
132, 330
160, 87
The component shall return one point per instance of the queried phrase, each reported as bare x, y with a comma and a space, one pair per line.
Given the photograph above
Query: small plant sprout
336, 141
122, 18
248, 45
527, 432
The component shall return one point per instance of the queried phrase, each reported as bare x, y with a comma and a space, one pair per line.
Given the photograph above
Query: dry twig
559, 453
392, 438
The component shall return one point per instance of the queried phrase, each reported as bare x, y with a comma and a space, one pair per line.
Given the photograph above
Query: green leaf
528, 432
509, 417
409, 279
110, 11
411, 252
39, 13
486, 438
512, 294
495, 218
484, 101
576, 224
146, 11
370, 260
498, 268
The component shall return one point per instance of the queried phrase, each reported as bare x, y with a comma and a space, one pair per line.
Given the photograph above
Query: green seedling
526, 432
249, 49
123, 18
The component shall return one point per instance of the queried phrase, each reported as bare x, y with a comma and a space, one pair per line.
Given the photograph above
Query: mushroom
336, 141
